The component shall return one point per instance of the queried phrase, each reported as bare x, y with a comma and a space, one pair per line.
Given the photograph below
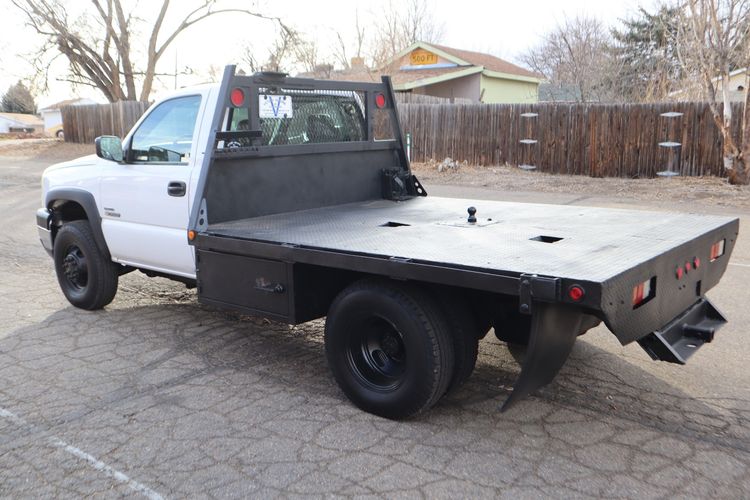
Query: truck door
145, 200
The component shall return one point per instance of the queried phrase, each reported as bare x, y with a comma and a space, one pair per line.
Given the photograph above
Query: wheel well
66, 211
317, 286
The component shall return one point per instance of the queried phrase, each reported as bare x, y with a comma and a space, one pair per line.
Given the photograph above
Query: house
440, 71
739, 82
20, 122
52, 115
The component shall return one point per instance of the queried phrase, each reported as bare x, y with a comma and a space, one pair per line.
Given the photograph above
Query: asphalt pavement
157, 396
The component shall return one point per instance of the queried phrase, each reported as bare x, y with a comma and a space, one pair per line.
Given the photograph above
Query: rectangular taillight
643, 292
717, 249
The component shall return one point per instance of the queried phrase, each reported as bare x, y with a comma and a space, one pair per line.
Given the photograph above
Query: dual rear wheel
395, 350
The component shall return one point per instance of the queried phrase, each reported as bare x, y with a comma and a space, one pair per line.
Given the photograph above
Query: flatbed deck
580, 243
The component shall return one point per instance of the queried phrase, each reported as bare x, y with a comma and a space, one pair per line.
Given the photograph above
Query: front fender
87, 201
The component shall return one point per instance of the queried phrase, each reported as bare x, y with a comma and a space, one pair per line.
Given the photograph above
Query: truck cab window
166, 135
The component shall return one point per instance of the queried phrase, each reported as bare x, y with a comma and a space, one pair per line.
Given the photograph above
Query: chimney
358, 62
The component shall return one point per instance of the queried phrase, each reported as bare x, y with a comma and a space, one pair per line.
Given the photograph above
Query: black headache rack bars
397, 183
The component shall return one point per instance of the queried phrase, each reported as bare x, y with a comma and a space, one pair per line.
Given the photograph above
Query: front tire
87, 278
389, 348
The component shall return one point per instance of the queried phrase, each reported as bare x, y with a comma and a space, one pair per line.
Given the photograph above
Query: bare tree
576, 54
399, 26
340, 51
99, 44
289, 51
714, 39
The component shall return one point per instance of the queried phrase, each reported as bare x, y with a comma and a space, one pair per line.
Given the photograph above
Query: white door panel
131, 239
144, 224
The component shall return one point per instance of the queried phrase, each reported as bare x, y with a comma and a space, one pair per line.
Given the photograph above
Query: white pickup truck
293, 199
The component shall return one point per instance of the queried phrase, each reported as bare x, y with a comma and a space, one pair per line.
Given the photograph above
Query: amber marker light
191, 235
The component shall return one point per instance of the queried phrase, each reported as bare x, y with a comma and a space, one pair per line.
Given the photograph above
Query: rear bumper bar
682, 336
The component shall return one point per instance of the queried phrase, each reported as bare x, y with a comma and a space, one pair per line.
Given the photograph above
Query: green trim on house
508, 76
437, 79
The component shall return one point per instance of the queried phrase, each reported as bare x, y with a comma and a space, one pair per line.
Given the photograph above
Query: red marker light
688, 267
380, 100
576, 293
237, 96
696, 263
679, 272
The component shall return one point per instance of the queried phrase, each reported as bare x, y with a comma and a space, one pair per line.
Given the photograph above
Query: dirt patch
711, 191
51, 150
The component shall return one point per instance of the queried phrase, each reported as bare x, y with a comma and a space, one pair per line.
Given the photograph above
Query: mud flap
554, 329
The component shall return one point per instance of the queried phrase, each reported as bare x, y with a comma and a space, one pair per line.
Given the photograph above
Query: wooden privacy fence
599, 140
85, 123
584, 139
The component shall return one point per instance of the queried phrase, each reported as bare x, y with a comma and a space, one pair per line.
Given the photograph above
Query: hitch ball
472, 215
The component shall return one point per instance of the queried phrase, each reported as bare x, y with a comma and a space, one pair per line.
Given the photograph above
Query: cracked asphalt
157, 396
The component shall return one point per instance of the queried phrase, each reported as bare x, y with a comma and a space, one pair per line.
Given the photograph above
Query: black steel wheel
87, 278
389, 348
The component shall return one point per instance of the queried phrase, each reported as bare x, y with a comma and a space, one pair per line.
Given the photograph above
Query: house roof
488, 61
466, 63
66, 102
23, 118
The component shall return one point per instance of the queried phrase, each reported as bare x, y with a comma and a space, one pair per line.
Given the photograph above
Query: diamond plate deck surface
596, 243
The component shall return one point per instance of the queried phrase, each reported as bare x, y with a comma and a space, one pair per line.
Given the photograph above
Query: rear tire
87, 278
389, 348
463, 328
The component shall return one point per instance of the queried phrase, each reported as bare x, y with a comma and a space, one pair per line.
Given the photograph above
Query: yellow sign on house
421, 57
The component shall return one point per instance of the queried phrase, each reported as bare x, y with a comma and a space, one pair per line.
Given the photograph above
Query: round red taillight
576, 293
688, 267
679, 273
696, 263
237, 96
380, 100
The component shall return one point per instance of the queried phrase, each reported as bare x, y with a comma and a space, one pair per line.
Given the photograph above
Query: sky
500, 27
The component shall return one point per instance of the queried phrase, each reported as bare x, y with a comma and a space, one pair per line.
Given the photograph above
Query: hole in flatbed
394, 224
545, 239
698, 288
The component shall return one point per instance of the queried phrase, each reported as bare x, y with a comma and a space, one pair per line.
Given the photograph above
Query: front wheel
389, 348
87, 278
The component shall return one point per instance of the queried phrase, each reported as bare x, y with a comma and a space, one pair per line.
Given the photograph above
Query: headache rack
255, 138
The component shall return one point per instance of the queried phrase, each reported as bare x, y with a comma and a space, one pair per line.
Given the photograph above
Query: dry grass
711, 191
51, 150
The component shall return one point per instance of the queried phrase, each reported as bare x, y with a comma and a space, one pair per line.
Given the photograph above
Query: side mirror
109, 147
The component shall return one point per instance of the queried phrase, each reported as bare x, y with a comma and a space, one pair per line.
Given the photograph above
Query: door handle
176, 188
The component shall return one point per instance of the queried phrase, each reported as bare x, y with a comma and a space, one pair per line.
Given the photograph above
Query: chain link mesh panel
317, 116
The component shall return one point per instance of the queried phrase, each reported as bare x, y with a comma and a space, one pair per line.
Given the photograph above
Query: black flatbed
579, 243
299, 231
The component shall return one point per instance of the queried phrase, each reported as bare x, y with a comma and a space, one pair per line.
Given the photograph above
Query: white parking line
82, 455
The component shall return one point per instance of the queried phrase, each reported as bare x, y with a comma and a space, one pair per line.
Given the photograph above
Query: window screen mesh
317, 116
